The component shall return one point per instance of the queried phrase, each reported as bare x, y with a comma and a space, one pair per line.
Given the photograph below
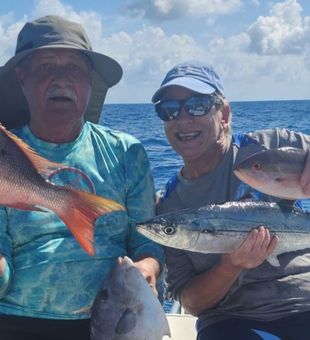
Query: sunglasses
196, 106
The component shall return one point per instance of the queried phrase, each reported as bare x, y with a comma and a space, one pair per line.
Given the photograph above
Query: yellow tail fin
81, 212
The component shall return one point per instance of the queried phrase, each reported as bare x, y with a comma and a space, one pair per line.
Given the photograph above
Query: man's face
192, 137
56, 84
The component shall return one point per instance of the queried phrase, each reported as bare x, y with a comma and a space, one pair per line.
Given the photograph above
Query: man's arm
2, 265
140, 205
206, 290
305, 176
6, 268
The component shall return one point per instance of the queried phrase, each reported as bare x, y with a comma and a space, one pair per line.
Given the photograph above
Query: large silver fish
274, 172
221, 228
126, 307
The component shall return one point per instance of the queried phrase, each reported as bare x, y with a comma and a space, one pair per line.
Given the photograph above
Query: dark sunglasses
196, 106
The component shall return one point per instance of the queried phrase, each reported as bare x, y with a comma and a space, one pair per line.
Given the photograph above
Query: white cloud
145, 56
172, 9
9, 29
91, 20
284, 31
146, 53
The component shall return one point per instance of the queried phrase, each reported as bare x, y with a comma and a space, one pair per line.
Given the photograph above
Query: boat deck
182, 327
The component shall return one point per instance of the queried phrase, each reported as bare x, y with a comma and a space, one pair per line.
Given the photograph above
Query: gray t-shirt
263, 293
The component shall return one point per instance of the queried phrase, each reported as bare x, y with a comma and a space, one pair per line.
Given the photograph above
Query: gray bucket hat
53, 32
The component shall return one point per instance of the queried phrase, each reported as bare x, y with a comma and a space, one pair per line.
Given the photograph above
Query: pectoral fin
127, 322
273, 260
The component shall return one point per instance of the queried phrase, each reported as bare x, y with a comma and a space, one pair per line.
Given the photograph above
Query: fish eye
257, 166
104, 295
170, 230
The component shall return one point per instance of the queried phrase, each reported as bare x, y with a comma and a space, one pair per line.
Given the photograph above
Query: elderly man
53, 85
237, 295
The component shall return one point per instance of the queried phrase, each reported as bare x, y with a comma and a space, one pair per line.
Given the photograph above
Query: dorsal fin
43, 166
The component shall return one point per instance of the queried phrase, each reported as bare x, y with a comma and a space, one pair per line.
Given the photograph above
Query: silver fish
126, 307
274, 172
221, 228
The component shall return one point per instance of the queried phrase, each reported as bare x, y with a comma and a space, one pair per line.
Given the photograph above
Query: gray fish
221, 228
274, 172
126, 307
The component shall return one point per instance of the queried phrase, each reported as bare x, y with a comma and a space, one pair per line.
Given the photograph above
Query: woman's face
192, 137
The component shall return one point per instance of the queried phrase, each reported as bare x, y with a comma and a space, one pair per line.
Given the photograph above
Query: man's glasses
196, 106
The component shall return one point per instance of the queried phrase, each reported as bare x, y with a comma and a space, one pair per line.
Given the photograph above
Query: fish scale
23, 186
221, 228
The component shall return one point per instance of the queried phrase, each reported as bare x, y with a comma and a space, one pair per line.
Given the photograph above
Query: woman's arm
207, 289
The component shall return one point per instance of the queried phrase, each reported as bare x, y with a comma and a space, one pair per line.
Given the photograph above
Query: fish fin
25, 206
286, 205
80, 214
127, 322
273, 260
43, 166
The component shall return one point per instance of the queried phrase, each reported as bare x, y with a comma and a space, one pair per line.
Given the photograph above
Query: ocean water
141, 121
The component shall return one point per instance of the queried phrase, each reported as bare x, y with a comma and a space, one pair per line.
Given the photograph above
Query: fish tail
81, 212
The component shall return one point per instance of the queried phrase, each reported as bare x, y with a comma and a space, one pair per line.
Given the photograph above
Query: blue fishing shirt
47, 273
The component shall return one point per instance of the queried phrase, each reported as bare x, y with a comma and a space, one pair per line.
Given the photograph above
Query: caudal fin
80, 214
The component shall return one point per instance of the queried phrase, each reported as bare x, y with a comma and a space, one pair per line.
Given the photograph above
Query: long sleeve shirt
47, 273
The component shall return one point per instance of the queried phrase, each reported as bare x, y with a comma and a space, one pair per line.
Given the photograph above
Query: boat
182, 325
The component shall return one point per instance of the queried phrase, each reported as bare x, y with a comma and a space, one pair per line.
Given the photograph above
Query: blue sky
261, 48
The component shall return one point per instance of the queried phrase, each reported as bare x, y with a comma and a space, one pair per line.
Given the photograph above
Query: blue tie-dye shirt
47, 273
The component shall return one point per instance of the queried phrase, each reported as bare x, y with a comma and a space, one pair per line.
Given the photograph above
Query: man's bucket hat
53, 32
193, 75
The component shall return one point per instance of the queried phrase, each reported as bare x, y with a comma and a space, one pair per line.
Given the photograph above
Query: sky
260, 48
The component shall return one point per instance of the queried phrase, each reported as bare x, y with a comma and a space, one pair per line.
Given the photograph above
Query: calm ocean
141, 121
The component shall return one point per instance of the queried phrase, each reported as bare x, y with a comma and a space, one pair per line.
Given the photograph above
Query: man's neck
57, 133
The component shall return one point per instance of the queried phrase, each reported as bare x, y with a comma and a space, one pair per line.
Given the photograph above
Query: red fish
275, 172
23, 187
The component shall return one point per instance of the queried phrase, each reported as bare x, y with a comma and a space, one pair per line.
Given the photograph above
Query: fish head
113, 312
256, 170
118, 312
274, 172
170, 230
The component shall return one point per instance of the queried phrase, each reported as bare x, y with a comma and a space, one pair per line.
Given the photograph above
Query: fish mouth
241, 174
245, 176
150, 233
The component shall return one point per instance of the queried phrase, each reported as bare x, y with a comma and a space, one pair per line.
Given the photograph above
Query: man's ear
20, 76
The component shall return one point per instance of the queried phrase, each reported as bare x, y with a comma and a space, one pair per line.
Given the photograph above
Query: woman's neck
195, 168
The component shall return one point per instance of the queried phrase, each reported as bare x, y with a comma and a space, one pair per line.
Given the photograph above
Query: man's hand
150, 269
254, 250
305, 176
2, 265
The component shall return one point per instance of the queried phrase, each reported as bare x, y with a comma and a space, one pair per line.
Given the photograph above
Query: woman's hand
254, 250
